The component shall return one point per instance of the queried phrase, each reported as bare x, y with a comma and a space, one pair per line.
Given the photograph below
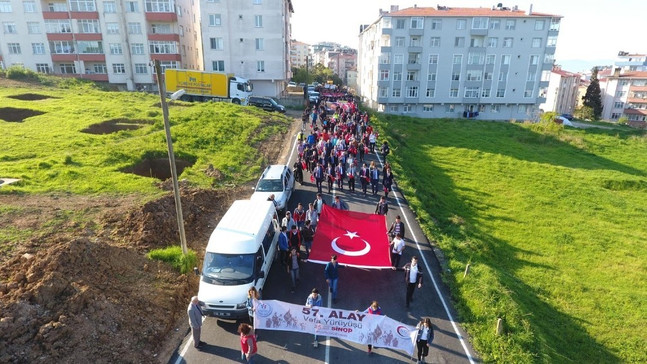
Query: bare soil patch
115, 125
157, 168
76, 292
16, 115
31, 97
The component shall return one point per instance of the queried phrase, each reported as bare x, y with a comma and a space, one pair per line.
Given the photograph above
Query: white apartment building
101, 40
249, 38
624, 89
454, 62
299, 53
563, 88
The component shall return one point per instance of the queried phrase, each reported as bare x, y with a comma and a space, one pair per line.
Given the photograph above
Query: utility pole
171, 156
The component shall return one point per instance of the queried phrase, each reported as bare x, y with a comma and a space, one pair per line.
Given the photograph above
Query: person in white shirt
397, 246
424, 337
412, 277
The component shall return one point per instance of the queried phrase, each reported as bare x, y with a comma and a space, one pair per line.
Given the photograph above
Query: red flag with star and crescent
358, 239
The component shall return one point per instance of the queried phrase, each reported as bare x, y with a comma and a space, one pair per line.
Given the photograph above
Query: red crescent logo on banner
351, 253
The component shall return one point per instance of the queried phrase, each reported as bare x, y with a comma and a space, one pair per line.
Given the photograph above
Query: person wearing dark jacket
412, 278
382, 207
424, 337
397, 227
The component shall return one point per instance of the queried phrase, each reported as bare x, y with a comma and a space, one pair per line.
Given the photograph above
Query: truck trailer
208, 86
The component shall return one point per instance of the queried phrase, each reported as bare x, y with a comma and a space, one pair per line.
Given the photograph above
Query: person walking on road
314, 300
424, 337
195, 321
397, 227
313, 216
284, 246
307, 234
318, 204
364, 177
318, 174
373, 309
387, 182
374, 174
339, 204
382, 207
248, 347
331, 272
294, 260
252, 298
412, 277
397, 246
299, 215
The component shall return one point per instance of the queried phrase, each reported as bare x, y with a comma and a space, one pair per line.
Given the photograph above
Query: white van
239, 255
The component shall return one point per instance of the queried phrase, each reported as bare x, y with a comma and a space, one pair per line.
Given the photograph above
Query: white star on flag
351, 235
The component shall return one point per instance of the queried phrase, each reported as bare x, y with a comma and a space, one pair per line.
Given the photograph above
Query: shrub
20, 73
173, 255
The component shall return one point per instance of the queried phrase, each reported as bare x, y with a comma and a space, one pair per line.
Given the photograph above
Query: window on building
215, 20
434, 42
457, 59
132, 7
82, 5
118, 68
476, 42
417, 22
385, 58
399, 41
427, 108
495, 24
479, 23
616, 115
505, 59
162, 47
527, 93
100, 68
137, 48
259, 44
412, 76
109, 7
414, 58
503, 76
112, 28
9, 27
398, 59
554, 24
396, 92
384, 75
386, 22
33, 27
549, 58
618, 105
507, 42
431, 77
67, 68
61, 47
38, 48
394, 108
456, 76
461, 24
383, 92
5, 7
536, 42
433, 59
258, 21
475, 58
471, 92
450, 107
115, 48
492, 42
495, 108
459, 42
414, 41
474, 75
88, 26
487, 76
436, 24
134, 28
430, 92
141, 68
620, 93
453, 92
485, 92
551, 41
399, 23
161, 28
540, 24
500, 92
216, 43
29, 6
407, 108
43, 68
510, 24
159, 6
58, 26
412, 91
531, 76
534, 60
490, 59
90, 47
397, 76
165, 65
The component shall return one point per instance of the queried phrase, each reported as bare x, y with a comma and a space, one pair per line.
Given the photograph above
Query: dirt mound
158, 168
115, 125
31, 97
16, 115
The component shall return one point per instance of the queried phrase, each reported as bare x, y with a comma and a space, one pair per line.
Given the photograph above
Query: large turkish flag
358, 239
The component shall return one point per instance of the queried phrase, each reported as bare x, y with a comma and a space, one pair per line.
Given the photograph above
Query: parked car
266, 103
313, 96
570, 117
277, 180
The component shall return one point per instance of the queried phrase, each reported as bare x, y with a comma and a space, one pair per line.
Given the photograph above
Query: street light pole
171, 156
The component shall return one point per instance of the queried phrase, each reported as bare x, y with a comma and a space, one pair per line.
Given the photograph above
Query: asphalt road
357, 288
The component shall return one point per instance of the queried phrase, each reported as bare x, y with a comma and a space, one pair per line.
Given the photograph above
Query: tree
585, 113
593, 96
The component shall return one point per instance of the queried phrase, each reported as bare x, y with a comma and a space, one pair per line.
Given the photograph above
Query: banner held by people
377, 330
358, 239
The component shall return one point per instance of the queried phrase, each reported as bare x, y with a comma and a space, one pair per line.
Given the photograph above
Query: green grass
49, 153
173, 255
552, 223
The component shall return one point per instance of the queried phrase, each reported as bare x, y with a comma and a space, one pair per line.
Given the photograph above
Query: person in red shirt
247, 342
299, 216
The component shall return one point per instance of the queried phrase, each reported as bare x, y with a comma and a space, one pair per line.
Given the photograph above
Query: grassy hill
552, 224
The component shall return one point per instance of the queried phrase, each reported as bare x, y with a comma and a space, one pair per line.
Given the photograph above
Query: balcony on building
167, 57
95, 76
60, 36
413, 66
84, 15
55, 10
416, 31
170, 37
385, 49
156, 10
478, 31
88, 36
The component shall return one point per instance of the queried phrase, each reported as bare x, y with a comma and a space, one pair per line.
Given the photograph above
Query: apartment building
562, 92
101, 40
624, 89
299, 54
249, 38
455, 62
341, 60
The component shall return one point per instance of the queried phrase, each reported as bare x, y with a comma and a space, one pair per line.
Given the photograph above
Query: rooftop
445, 11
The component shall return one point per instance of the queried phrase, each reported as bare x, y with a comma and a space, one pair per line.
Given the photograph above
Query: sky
591, 32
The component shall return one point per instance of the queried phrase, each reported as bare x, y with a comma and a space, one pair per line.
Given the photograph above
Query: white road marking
181, 354
433, 280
